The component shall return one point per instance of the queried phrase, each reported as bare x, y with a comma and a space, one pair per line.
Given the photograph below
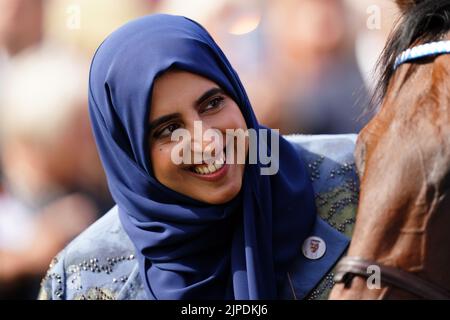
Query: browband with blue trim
423, 51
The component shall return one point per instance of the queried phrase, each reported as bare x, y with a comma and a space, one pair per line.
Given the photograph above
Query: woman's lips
211, 172
216, 175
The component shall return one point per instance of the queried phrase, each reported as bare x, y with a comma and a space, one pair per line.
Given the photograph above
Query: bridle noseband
349, 267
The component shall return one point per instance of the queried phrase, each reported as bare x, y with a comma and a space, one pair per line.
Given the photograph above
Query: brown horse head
403, 159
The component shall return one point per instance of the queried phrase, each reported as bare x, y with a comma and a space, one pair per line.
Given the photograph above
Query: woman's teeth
211, 168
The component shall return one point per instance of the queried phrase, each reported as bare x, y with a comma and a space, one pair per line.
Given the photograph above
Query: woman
180, 231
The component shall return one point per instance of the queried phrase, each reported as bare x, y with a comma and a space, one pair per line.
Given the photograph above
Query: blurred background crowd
306, 64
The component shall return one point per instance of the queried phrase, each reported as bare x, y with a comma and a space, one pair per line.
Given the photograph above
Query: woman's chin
219, 194
221, 197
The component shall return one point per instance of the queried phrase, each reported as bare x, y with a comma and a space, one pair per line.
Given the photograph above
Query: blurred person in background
54, 185
312, 64
21, 28
21, 25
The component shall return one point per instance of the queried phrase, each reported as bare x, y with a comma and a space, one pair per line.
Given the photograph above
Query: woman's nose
204, 139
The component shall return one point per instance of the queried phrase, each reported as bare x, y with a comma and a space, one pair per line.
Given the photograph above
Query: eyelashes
211, 106
166, 130
214, 103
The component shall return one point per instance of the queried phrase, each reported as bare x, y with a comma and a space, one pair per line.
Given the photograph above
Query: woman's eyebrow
208, 94
162, 119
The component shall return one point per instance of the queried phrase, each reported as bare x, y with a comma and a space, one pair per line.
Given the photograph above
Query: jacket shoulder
331, 166
330, 162
99, 264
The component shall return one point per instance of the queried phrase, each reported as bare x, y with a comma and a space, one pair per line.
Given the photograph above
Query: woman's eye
167, 130
214, 103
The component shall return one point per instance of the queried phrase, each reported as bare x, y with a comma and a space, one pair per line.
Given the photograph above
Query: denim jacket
100, 263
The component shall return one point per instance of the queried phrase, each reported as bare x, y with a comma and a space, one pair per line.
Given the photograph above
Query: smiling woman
208, 230
196, 99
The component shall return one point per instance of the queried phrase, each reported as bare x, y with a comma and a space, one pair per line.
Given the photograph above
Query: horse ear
405, 5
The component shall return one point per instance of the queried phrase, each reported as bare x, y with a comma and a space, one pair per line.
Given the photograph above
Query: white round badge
314, 248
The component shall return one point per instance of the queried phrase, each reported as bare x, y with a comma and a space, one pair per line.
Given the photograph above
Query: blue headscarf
187, 249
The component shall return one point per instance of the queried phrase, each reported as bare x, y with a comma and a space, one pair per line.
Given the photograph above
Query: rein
349, 267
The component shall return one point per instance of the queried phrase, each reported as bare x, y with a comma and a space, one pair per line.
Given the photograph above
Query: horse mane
427, 21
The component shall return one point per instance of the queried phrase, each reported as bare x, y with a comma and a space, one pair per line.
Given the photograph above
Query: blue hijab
187, 249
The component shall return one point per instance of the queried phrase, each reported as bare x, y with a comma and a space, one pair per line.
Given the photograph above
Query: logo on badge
314, 248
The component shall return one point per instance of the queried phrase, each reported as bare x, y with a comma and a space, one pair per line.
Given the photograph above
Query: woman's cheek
161, 160
231, 119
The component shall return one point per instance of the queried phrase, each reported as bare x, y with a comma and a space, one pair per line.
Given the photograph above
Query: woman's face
180, 98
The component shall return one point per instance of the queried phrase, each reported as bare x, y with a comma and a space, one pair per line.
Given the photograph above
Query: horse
402, 156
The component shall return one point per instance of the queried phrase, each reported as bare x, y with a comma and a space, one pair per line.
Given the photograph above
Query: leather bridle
349, 267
